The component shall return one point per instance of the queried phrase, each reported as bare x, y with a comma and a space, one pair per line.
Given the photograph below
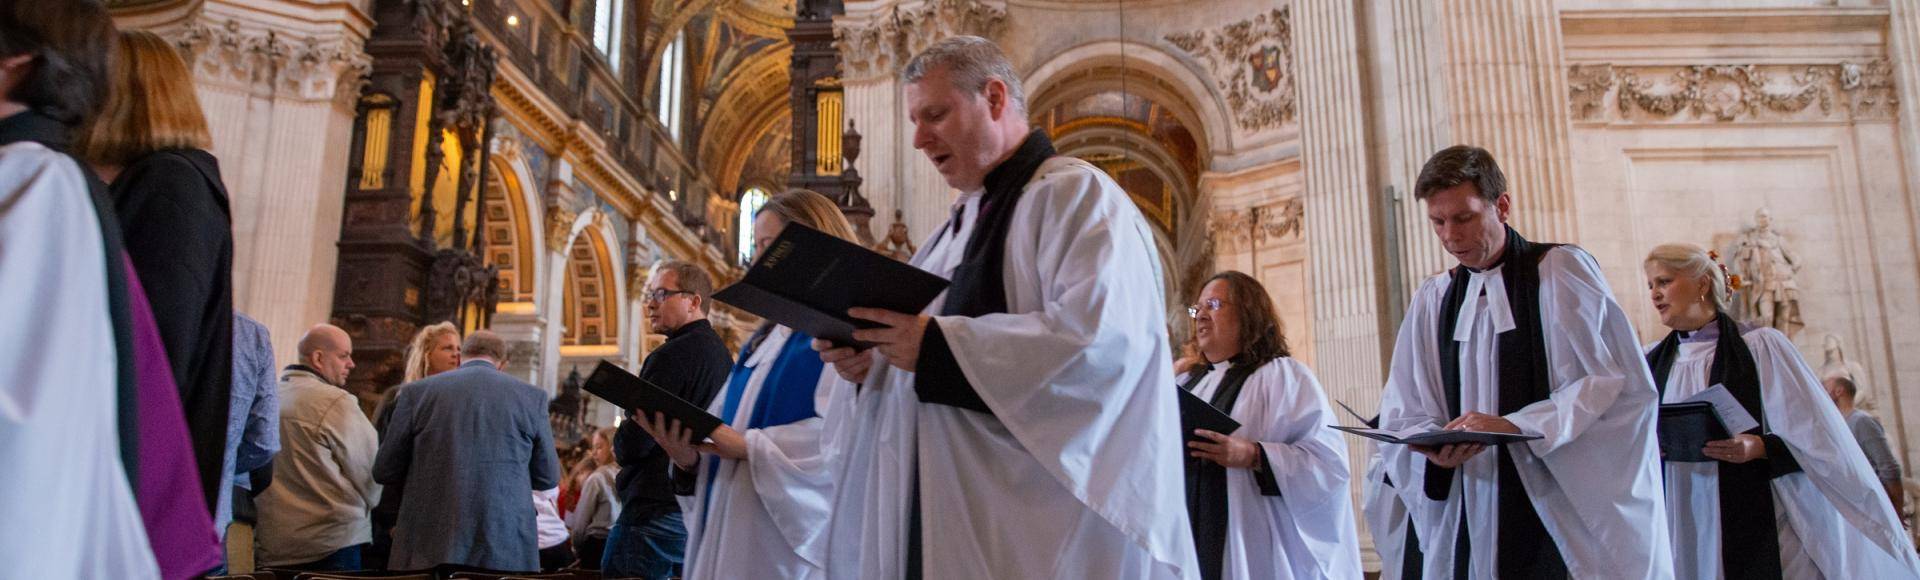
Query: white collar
1494, 285
770, 346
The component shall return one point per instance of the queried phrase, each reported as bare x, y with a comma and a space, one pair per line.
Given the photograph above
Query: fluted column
1904, 52
277, 80
1340, 213
1506, 84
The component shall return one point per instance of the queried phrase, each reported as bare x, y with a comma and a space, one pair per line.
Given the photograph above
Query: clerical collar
1708, 333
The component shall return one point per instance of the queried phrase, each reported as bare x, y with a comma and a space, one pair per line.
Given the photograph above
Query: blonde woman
756, 497
592, 518
150, 144
434, 349
1790, 498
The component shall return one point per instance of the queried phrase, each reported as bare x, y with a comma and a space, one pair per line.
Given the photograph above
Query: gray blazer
469, 444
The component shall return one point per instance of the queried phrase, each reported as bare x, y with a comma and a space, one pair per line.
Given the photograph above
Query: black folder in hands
807, 280
1437, 437
1685, 429
1196, 413
633, 393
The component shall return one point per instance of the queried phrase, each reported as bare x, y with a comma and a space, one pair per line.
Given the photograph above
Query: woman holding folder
756, 496
1790, 498
1270, 499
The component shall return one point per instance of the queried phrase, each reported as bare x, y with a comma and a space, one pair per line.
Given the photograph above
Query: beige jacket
323, 489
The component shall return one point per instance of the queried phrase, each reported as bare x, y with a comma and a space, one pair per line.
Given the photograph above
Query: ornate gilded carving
309, 68
1731, 93
1252, 60
1233, 229
881, 46
559, 226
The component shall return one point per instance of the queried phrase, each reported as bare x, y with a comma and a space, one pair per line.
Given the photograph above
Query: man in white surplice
1025, 424
1521, 338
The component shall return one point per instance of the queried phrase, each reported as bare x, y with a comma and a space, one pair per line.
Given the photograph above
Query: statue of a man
897, 245
1770, 296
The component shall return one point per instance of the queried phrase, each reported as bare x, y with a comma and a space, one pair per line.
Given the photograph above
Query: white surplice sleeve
1308, 465
791, 473
1834, 502
1592, 350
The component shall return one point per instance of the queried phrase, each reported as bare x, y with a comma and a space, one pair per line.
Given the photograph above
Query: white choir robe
67, 509
1594, 478
764, 517
1308, 530
1386, 518
1080, 473
1833, 517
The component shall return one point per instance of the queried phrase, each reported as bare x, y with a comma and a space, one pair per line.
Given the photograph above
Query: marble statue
1767, 267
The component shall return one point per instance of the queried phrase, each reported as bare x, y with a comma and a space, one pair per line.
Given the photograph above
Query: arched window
608, 18
750, 203
672, 72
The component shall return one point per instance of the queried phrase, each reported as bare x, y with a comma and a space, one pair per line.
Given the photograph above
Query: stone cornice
1839, 92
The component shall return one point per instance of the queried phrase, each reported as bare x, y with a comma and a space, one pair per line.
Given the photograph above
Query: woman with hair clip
756, 497
149, 144
1270, 499
1791, 498
434, 349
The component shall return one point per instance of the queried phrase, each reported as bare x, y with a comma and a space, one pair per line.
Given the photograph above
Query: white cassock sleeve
1835, 504
58, 383
1079, 371
1309, 467
791, 474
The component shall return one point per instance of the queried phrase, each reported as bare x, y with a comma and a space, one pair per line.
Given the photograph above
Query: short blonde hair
416, 368
151, 104
1692, 260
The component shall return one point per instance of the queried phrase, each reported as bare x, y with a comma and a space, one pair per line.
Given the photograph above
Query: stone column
1506, 83
278, 80
876, 40
1340, 221
1903, 50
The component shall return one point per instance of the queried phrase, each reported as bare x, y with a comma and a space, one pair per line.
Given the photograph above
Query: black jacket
693, 363
175, 220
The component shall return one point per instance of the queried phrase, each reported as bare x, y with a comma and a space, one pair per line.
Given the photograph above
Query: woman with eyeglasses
1270, 499
1791, 497
756, 496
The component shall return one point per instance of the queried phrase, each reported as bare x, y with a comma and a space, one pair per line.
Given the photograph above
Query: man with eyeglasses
648, 539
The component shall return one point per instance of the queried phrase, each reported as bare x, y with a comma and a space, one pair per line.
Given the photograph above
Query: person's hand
1226, 450
850, 363
898, 338
1450, 456
1740, 449
676, 440
726, 443
1483, 423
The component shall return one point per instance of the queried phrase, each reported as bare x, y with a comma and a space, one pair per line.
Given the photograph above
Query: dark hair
1846, 385
70, 42
1262, 337
691, 278
1461, 164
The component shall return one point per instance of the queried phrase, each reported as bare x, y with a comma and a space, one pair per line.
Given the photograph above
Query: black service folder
807, 280
1685, 429
633, 393
1196, 413
1438, 436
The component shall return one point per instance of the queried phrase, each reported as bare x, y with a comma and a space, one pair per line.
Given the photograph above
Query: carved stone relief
1252, 61
307, 68
1238, 229
883, 45
1731, 93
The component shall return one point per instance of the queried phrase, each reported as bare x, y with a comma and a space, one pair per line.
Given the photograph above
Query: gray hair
484, 343
1692, 260
970, 61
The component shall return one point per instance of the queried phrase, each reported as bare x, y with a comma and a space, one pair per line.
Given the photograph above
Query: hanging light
513, 20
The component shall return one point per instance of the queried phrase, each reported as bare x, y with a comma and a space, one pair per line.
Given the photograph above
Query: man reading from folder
1521, 338
1021, 426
